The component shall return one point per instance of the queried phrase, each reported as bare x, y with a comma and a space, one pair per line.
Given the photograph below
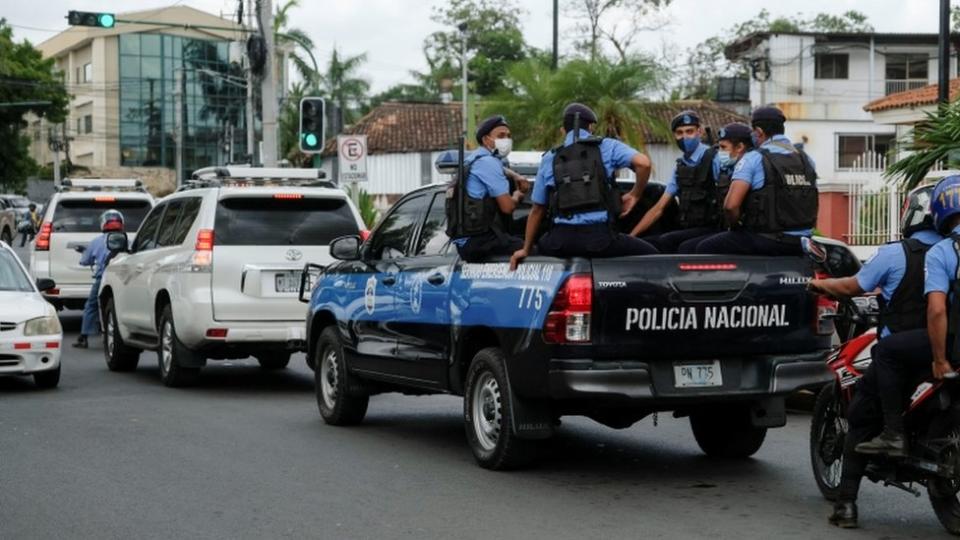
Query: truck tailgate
705, 306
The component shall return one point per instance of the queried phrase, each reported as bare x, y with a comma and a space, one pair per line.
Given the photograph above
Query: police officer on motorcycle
576, 184
694, 181
897, 270
773, 199
488, 201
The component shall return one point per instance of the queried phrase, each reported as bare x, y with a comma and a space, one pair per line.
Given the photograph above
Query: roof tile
919, 97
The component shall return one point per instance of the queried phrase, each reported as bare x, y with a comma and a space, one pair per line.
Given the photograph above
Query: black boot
844, 515
889, 443
81, 342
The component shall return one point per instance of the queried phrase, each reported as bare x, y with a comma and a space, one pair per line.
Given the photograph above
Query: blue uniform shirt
691, 161
96, 255
486, 178
941, 266
749, 169
886, 268
615, 155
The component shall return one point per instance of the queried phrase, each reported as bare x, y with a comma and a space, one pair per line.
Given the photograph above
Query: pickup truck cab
721, 339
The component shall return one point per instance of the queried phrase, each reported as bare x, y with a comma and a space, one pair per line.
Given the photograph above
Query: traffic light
89, 18
312, 111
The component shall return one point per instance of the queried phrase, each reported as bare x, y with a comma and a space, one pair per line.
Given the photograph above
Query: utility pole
54, 144
251, 128
556, 24
463, 63
178, 123
268, 93
943, 90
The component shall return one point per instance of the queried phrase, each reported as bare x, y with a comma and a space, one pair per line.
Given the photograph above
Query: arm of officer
530, 236
89, 256
937, 332
734, 201
652, 216
641, 166
836, 287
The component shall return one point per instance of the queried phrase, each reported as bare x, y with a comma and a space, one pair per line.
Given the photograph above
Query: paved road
245, 455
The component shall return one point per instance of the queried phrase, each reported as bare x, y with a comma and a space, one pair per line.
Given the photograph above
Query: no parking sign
352, 152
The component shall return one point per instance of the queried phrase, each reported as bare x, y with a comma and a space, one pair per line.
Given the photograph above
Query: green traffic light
310, 139
106, 20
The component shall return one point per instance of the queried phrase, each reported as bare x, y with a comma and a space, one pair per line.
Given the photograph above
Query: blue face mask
725, 159
756, 140
688, 144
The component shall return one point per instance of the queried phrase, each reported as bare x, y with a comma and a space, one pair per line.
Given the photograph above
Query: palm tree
536, 96
294, 38
934, 142
342, 85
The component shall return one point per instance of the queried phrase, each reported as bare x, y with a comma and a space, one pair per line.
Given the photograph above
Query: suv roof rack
241, 176
100, 184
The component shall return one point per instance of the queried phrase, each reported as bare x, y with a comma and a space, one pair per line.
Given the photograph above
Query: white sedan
30, 332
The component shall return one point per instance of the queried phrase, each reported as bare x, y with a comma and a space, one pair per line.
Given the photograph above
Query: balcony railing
899, 85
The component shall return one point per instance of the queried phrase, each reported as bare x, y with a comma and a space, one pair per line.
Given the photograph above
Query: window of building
88, 123
88, 72
832, 66
906, 72
853, 149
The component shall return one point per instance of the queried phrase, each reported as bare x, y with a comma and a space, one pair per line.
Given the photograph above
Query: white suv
215, 270
71, 220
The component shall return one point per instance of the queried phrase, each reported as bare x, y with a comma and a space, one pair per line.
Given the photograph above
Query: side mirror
45, 284
345, 248
117, 242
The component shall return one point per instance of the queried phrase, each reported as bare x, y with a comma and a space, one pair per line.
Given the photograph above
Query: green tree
494, 42
403, 92
934, 142
289, 126
296, 40
534, 98
343, 86
24, 77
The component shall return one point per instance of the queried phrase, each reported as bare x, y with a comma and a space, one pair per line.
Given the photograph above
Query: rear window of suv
83, 215
269, 221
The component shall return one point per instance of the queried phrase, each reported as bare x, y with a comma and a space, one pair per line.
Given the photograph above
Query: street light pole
943, 90
268, 94
463, 62
556, 24
251, 128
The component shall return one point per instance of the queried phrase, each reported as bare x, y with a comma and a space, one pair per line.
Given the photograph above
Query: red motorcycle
932, 420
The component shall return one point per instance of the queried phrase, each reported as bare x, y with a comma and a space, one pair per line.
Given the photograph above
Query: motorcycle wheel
943, 492
828, 429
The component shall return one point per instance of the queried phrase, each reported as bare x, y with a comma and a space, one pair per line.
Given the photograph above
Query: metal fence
874, 214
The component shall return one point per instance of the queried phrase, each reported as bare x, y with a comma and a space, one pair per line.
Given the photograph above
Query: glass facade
211, 102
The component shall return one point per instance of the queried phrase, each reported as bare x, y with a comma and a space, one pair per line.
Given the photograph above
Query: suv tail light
203, 251
204, 240
826, 307
43, 237
568, 320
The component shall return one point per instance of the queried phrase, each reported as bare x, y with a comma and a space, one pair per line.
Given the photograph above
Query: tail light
43, 237
364, 234
568, 320
825, 308
204, 240
203, 251
707, 267
288, 196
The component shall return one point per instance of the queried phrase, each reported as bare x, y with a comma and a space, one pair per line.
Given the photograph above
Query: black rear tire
488, 414
340, 397
943, 493
174, 357
274, 361
47, 379
119, 356
726, 432
828, 430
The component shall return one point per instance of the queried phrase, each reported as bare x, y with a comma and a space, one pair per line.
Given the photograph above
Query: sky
391, 32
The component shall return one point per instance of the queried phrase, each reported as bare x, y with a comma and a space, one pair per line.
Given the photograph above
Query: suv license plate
700, 374
289, 282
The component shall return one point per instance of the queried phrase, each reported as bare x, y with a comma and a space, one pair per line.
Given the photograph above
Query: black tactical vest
467, 216
953, 311
699, 206
581, 183
788, 199
723, 187
907, 308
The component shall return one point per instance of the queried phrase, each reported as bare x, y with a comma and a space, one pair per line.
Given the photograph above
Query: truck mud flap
769, 413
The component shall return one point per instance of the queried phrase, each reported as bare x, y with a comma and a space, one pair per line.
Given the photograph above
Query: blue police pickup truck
720, 339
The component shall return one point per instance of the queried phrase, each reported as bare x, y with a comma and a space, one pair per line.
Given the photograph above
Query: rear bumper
248, 336
653, 384
71, 291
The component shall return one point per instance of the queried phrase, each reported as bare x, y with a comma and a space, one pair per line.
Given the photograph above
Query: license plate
289, 282
700, 374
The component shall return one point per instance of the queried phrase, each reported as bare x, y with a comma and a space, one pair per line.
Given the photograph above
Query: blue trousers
91, 312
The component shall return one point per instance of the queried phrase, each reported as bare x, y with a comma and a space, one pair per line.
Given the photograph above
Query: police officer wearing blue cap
576, 183
490, 199
773, 198
700, 180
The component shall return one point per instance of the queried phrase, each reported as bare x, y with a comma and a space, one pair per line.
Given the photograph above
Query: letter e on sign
352, 153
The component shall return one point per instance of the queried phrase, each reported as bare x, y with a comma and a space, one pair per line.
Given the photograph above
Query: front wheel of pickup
174, 357
726, 432
488, 413
340, 403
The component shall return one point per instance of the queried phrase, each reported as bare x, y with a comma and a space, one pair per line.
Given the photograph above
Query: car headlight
42, 326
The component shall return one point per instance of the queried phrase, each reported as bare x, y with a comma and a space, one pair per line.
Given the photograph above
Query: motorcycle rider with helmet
97, 255
897, 271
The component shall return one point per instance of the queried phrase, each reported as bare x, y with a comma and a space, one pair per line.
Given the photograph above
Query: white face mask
503, 146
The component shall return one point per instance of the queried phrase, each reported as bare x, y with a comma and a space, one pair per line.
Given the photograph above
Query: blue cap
587, 116
768, 114
684, 118
735, 132
489, 125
